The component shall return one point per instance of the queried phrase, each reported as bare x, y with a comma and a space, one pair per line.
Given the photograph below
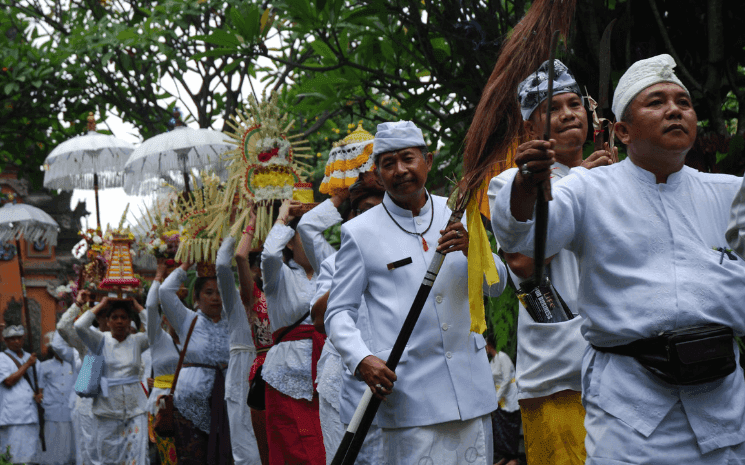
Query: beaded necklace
421, 234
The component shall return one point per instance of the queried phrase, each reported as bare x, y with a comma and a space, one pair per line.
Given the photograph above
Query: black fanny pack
693, 355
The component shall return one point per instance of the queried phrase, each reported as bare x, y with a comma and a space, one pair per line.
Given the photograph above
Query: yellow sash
163, 381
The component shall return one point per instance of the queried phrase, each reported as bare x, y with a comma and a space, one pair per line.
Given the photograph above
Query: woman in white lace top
120, 410
292, 421
207, 356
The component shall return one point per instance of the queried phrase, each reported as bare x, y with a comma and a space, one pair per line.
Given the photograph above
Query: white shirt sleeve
153, 328
175, 311
67, 330
736, 229
311, 228
231, 299
271, 256
92, 339
348, 285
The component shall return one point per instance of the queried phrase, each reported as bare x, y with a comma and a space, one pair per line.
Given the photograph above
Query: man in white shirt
19, 418
439, 410
643, 231
57, 380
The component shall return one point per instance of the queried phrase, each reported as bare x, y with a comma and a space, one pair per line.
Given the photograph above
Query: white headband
14, 331
639, 76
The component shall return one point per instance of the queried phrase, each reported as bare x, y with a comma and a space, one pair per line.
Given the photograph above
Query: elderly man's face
15, 343
404, 172
662, 117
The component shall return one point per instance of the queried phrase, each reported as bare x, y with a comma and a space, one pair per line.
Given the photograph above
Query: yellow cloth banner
480, 265
163, 381
496, 169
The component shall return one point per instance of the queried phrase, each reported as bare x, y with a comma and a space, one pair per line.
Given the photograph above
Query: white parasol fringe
31, 231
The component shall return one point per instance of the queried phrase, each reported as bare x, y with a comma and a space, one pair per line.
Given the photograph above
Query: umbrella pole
187, 188
95, 189
25, 299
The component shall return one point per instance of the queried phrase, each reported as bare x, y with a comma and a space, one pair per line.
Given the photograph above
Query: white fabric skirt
60, 442
86, 427
23, 441
329, 387
242, 437
450, 443
122, 441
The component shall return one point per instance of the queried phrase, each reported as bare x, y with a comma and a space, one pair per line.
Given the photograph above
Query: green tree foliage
36, 89
112, 57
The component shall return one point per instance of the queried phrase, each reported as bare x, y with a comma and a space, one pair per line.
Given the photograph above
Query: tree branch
670, 48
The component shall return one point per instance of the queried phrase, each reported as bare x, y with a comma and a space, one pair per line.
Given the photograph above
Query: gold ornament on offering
264, 166
347, 159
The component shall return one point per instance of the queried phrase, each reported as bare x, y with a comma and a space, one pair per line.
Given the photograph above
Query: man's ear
429, 159
622, 131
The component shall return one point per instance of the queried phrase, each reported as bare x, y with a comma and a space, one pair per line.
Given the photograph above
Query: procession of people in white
636, 251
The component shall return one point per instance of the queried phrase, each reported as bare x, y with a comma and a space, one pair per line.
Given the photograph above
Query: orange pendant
424, 244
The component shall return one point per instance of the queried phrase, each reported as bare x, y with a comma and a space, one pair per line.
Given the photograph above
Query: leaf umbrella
171, 155
33, 224
89, 161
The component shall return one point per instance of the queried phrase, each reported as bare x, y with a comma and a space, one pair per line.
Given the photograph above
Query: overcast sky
113, 201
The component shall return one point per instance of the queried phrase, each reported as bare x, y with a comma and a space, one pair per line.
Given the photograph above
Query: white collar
404, 213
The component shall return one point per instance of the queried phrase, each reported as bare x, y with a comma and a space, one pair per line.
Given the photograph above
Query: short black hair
626, 116
125, 305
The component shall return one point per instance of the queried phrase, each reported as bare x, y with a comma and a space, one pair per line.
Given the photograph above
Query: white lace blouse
208, 346
288, 290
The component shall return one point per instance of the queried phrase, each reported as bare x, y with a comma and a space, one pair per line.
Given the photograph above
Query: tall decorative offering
264, 166
348, 158
204, 221
120, 273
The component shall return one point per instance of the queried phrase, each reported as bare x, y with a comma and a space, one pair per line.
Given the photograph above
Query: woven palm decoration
347, 159
202, 221
157, 229
264, 166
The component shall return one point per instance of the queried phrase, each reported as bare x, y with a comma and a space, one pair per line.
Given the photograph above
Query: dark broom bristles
497, 122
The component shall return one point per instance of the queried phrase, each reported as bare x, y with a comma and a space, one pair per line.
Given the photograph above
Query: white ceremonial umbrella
89, 161
33, 224
172, 155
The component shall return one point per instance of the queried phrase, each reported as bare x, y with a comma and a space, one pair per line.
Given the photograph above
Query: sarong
219, 451
554, 429
60, 443
23, 441
294, 430
166, 446
506, 430
449, 443
121, 441
191, 442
